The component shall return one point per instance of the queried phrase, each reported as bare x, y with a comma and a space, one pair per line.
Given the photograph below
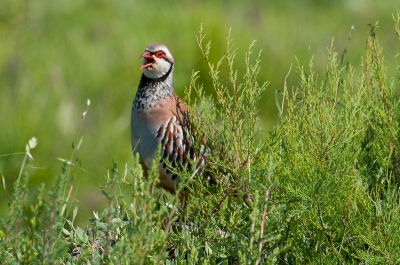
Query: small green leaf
102, 226
208, 249
63, 209
74, 213
79, 144
116, 222
96, 215
81, 235
66, 232
92, 220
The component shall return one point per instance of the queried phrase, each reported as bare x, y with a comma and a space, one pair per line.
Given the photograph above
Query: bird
159, 116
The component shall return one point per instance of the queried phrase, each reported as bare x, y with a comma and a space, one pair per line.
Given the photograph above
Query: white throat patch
159, 68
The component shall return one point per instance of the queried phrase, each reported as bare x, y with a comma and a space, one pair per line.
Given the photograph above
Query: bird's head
157, 61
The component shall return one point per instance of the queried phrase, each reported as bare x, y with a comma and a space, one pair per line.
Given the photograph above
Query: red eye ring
159, 54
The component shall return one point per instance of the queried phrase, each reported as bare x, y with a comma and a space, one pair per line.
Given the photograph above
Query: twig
218, 205
263, 215
285, 88
327, 234
166, 231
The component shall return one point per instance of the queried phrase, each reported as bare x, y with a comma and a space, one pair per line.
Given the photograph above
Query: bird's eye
160, 54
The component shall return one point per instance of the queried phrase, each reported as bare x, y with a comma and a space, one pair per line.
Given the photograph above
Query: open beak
148, 60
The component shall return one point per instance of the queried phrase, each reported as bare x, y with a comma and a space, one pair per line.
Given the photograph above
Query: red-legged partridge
160, 116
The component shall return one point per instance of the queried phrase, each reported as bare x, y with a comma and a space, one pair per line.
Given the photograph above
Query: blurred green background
56, 54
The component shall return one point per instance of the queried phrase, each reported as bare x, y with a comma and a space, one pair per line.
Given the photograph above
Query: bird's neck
152, 91
161, 87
